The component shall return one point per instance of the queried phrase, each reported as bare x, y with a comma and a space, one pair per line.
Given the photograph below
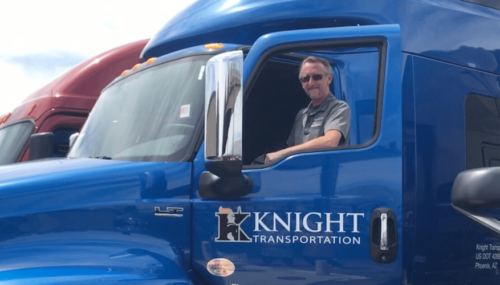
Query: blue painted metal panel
443, 248
245, 21
409, 162
453, 31
447, 30
94, 219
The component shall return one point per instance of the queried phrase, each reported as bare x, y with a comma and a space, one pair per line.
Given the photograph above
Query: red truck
62, 106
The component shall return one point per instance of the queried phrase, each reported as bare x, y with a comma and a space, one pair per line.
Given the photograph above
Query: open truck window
276, 96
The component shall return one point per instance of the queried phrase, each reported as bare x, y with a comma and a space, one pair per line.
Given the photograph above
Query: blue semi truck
161, 186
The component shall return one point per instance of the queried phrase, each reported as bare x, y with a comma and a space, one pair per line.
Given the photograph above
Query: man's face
315, 89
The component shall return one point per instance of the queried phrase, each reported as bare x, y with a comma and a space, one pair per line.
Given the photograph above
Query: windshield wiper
100, 157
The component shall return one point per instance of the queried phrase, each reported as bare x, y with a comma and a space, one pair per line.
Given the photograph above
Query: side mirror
72, 139
223, 128
478, 189
41, 146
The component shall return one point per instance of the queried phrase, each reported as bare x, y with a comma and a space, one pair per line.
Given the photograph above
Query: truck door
317, 216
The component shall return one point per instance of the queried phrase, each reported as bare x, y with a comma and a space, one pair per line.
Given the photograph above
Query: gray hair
313, 59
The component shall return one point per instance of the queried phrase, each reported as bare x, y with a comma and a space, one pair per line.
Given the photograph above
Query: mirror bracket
224, 180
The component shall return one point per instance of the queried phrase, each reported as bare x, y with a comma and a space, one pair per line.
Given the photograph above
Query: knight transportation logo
290, 227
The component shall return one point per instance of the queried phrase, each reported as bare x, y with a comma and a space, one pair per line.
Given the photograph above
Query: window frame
378, 42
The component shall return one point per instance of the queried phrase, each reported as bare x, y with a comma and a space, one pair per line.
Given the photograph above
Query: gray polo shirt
313, 122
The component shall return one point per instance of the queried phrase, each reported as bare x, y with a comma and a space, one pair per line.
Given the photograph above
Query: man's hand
273, 156
330, 139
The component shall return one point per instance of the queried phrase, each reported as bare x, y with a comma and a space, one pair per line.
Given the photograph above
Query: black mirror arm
224, 179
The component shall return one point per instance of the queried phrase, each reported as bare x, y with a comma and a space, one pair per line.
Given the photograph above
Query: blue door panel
307, 218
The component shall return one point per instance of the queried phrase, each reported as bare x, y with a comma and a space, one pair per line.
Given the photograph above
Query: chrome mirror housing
223, 107
223, 129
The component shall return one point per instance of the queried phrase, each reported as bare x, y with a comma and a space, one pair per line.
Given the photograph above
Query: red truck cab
62, 106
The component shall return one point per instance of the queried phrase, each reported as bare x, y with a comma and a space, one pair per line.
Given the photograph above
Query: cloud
45, 64
19, 85
43, 39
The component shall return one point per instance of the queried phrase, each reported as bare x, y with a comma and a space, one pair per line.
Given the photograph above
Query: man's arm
331, 138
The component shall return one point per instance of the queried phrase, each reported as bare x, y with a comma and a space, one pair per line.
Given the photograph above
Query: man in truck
326, 121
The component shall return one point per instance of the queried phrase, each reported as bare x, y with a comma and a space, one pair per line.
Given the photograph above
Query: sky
40, 40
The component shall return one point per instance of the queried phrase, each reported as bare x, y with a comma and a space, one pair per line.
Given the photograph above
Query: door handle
383, 232
383, 236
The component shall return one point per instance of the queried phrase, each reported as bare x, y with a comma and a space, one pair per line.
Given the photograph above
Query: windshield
13, 138
150, 116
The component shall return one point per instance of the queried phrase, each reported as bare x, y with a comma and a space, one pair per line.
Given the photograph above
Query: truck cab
162, 185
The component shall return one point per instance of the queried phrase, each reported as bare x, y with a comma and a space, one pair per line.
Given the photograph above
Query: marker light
6, 118
31, 109
151, 60
213, 46
136, 67
125, 72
